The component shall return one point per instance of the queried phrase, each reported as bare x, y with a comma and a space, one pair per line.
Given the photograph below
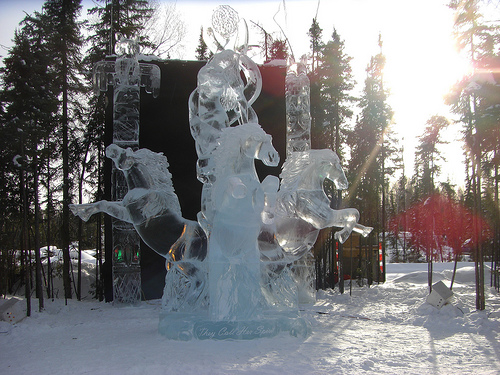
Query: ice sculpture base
185, 327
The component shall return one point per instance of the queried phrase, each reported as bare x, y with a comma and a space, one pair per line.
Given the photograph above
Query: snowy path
384, 329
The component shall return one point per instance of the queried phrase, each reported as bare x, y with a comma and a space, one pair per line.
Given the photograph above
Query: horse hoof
77, 210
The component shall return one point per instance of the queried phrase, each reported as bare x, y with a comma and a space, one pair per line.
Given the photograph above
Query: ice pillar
298, 138
127, 76
298, 116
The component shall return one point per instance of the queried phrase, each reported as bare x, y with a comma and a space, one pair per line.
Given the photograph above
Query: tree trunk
341, 250
454, 270
80, 224
38, 260
50, 285
65, 166
429, 269
24, 238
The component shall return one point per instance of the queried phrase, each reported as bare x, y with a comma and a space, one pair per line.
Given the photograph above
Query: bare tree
165, 30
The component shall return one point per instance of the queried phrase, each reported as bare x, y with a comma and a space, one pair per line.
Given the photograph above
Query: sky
422, 61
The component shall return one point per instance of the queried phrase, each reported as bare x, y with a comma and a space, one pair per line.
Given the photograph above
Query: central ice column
233, 249
233, 254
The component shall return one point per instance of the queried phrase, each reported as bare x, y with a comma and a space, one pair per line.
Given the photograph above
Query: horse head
264, 149
238, 146
329, 167
123, 158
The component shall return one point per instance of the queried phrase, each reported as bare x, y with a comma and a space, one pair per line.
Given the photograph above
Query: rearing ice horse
151, 205
233, 251
302, 207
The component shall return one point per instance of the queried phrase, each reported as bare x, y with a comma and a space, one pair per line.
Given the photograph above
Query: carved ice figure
233, 251
303, 208
227, 86
227, 30
298, 118
153, 208
127, 76
278, 286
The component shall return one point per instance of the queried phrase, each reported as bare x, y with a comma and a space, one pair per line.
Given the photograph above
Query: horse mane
157, 166
229, 145
297, 162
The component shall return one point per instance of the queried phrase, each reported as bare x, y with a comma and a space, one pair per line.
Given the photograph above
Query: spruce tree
371, 146
336, 82
202, 52
315, 33
116, 17
30, 105
427, 156
279, 50
65, 41
474, 99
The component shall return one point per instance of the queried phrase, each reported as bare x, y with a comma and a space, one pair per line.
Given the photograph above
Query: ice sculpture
230, 274
127, 76
298, 117
303, 208
220, 100
238, 197
153, 208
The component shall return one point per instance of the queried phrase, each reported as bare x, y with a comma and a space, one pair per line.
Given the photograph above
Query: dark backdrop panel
165, 128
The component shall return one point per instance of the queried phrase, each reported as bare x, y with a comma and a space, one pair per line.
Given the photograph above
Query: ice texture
302, 206
153, 208
238, 197
221, 99
298, 117
127, 75
237, 272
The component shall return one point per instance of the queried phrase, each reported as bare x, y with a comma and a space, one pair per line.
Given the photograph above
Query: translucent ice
236, 272
221, 99
238, 197
153, 208
127, 76
303, 208
298, 118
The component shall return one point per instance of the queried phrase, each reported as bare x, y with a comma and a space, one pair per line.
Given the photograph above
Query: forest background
52, 146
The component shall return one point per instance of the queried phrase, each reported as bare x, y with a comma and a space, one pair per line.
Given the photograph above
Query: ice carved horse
233, 251
152, 206
302, 207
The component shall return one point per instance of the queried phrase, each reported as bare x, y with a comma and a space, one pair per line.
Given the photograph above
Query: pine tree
65, 41
202, 52
314, 34
30, 106
427, 156
116, 17
473, 99
335, 81
371, 146
279, 50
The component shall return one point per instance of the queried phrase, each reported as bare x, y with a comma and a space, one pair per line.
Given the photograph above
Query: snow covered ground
385, 329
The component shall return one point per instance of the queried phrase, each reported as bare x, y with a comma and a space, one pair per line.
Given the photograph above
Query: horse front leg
361, 229
114, 209
347, 219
